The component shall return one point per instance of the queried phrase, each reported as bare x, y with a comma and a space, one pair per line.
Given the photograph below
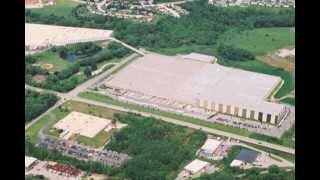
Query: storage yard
197, 86
53, 170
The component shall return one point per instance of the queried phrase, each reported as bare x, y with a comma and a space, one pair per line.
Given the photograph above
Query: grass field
50, 57
287, 137
98, 141
259, 41
61, 8
290, 101
54, 116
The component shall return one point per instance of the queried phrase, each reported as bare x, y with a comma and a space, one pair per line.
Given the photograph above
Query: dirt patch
46, 66
39, 78
286, 63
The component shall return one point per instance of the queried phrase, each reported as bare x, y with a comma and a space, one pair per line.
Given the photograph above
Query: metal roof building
209, 86
196, 166
28, 161
210, 146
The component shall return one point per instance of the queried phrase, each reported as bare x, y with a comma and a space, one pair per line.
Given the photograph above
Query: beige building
211, 87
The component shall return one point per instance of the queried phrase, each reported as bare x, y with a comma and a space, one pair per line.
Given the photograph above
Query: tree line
202, 26
37, 103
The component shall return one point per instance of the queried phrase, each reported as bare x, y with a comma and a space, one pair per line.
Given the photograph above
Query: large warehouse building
43, 36
209, 86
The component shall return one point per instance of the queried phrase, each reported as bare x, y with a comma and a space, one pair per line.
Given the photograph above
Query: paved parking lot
255, 126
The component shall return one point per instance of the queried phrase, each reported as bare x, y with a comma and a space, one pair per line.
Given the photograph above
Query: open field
61, 8
259, 41
57, 114
99, 140
289, 100
49, 57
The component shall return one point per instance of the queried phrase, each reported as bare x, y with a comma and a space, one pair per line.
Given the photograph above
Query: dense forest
37, 103
201, 27
159, 148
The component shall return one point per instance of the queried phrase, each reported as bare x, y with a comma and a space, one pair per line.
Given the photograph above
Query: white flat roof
195, 166
28, 161
83, 124
41, 35
236, 163
186, 81
211, 145
199, 57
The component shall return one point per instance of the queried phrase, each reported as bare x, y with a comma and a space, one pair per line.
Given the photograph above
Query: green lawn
98, 141
290, 101
287, 137
259, 41
61, 8
45, 122
50, 57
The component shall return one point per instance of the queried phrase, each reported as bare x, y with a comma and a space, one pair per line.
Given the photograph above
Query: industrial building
39, 36
196, 166
209, 147
29, 162
82, 124
210, 87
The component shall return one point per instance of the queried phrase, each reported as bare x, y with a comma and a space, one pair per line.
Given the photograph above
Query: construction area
196, 87
38, 36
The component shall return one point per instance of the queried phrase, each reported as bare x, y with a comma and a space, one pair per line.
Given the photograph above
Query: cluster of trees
158, 148
37, 103
202, 27
229, 52
88, 56
114, 50
62, 81
79, 50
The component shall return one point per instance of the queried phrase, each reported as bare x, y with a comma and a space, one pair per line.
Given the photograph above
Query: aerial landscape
160, 89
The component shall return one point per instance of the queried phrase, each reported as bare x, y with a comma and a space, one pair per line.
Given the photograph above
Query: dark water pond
71, 57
